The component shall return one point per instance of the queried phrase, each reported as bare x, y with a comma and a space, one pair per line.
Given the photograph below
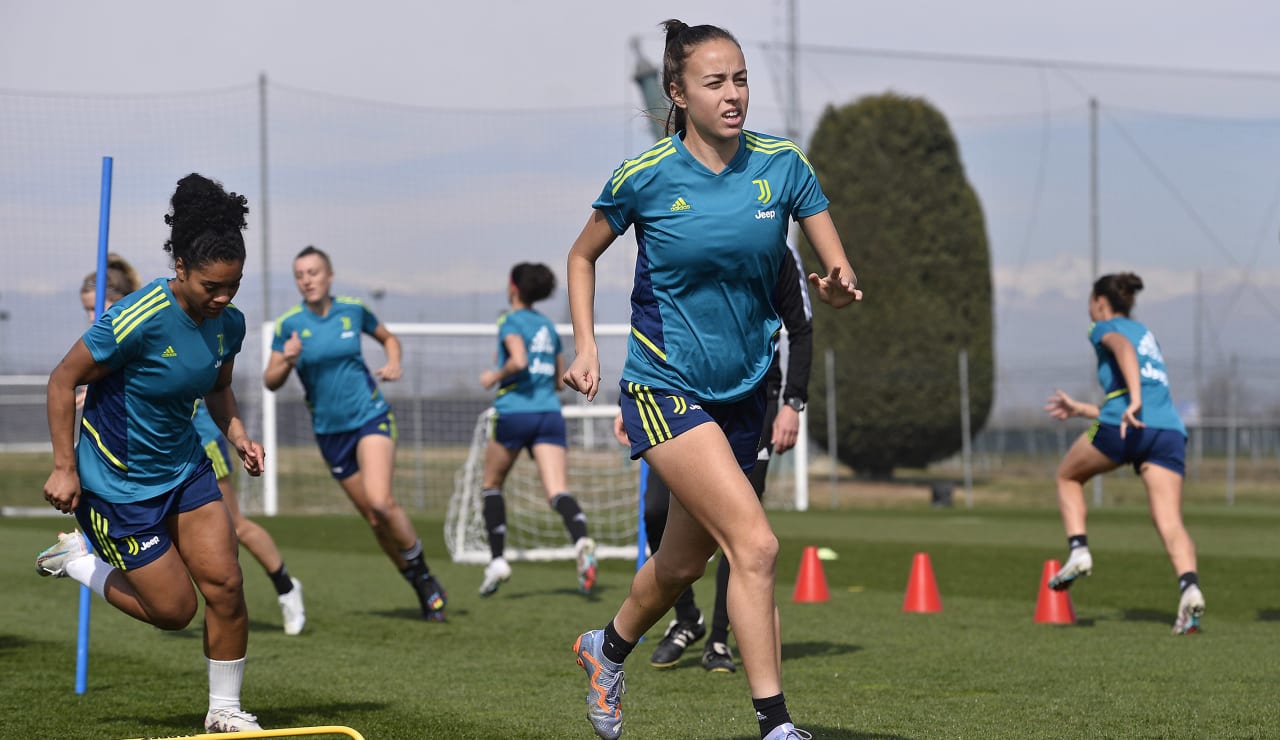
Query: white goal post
439, 407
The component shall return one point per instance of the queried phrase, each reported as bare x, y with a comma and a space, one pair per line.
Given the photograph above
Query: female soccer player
781, 428
1138, 425
528, 417
139, 483
710, 205
122, 280
353, 424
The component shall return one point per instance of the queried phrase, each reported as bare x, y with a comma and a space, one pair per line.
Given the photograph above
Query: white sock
225, 677
91, 572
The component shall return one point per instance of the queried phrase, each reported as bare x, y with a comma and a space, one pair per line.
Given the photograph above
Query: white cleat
292, 609
1079, 563
585, 552
230, 720
1190, 609
495, 573
53, 560
788, 731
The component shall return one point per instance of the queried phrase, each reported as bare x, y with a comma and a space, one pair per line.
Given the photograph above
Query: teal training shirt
710, 245
1157, 402
341, 392
534, 388
136, 439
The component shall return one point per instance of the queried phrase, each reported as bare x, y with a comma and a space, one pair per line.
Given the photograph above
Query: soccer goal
441, 413
602, 477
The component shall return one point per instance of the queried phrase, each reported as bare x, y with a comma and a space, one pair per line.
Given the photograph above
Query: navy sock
615, 648
1187, 580
415, 565
574, 520
1078, 540
281, 580
495, 521
771, 712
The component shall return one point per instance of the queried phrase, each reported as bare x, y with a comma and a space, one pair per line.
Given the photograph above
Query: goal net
602, 477
440, 411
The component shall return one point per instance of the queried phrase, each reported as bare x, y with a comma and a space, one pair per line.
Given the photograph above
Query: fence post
966, 445
830, 360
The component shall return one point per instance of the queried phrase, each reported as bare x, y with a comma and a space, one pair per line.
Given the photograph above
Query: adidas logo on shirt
680, 205
168, 352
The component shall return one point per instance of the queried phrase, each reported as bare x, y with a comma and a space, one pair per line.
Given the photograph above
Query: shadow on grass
820, 731
414, 614
799, 650
598, 593
14, 642
278, 717
1264, 615
1148, 615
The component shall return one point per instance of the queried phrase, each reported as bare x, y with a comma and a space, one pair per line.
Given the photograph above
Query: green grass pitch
854, 667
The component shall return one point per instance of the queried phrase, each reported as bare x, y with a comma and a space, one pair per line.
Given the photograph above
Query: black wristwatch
794, 403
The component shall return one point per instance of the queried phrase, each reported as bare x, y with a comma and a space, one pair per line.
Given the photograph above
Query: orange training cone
811, 583
922, 591
1053, 607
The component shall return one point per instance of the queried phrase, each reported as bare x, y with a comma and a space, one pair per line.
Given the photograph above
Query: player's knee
679, 574
172, 615
757, 555
244, 528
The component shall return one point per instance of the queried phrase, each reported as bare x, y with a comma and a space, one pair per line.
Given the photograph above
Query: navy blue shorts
1164, 447
524, 430
339, 448
128, 536
654, 415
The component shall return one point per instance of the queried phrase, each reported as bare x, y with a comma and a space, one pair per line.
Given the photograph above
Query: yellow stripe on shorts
107, 548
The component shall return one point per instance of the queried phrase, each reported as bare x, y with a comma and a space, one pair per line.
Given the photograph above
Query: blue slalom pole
642, 531
99, 302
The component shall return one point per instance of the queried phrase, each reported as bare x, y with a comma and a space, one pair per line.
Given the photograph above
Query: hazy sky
567, 54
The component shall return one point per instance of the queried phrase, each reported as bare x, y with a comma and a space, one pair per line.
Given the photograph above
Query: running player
781, 428
1138, 425
710, 206
139, 483
528, 417
354, 426
122, 280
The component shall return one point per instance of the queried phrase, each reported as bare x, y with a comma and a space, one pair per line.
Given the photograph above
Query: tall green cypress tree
914, 231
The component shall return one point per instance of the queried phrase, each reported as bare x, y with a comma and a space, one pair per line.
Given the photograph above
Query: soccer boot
495, 573
432, 598
718, 658
1190, 609
1079, 563
680, 635
291, 608
606, 683
230, 720
53, 560
788, 731
585, 551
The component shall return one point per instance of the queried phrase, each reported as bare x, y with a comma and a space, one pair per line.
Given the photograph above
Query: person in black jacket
781, 429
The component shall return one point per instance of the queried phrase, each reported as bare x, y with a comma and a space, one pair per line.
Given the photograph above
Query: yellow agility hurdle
282, 732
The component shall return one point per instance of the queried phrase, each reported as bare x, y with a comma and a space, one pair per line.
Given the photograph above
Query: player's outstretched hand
252, 454
1060, 405
584, 375
62, 490
620, 431
836, 290
1130, 418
